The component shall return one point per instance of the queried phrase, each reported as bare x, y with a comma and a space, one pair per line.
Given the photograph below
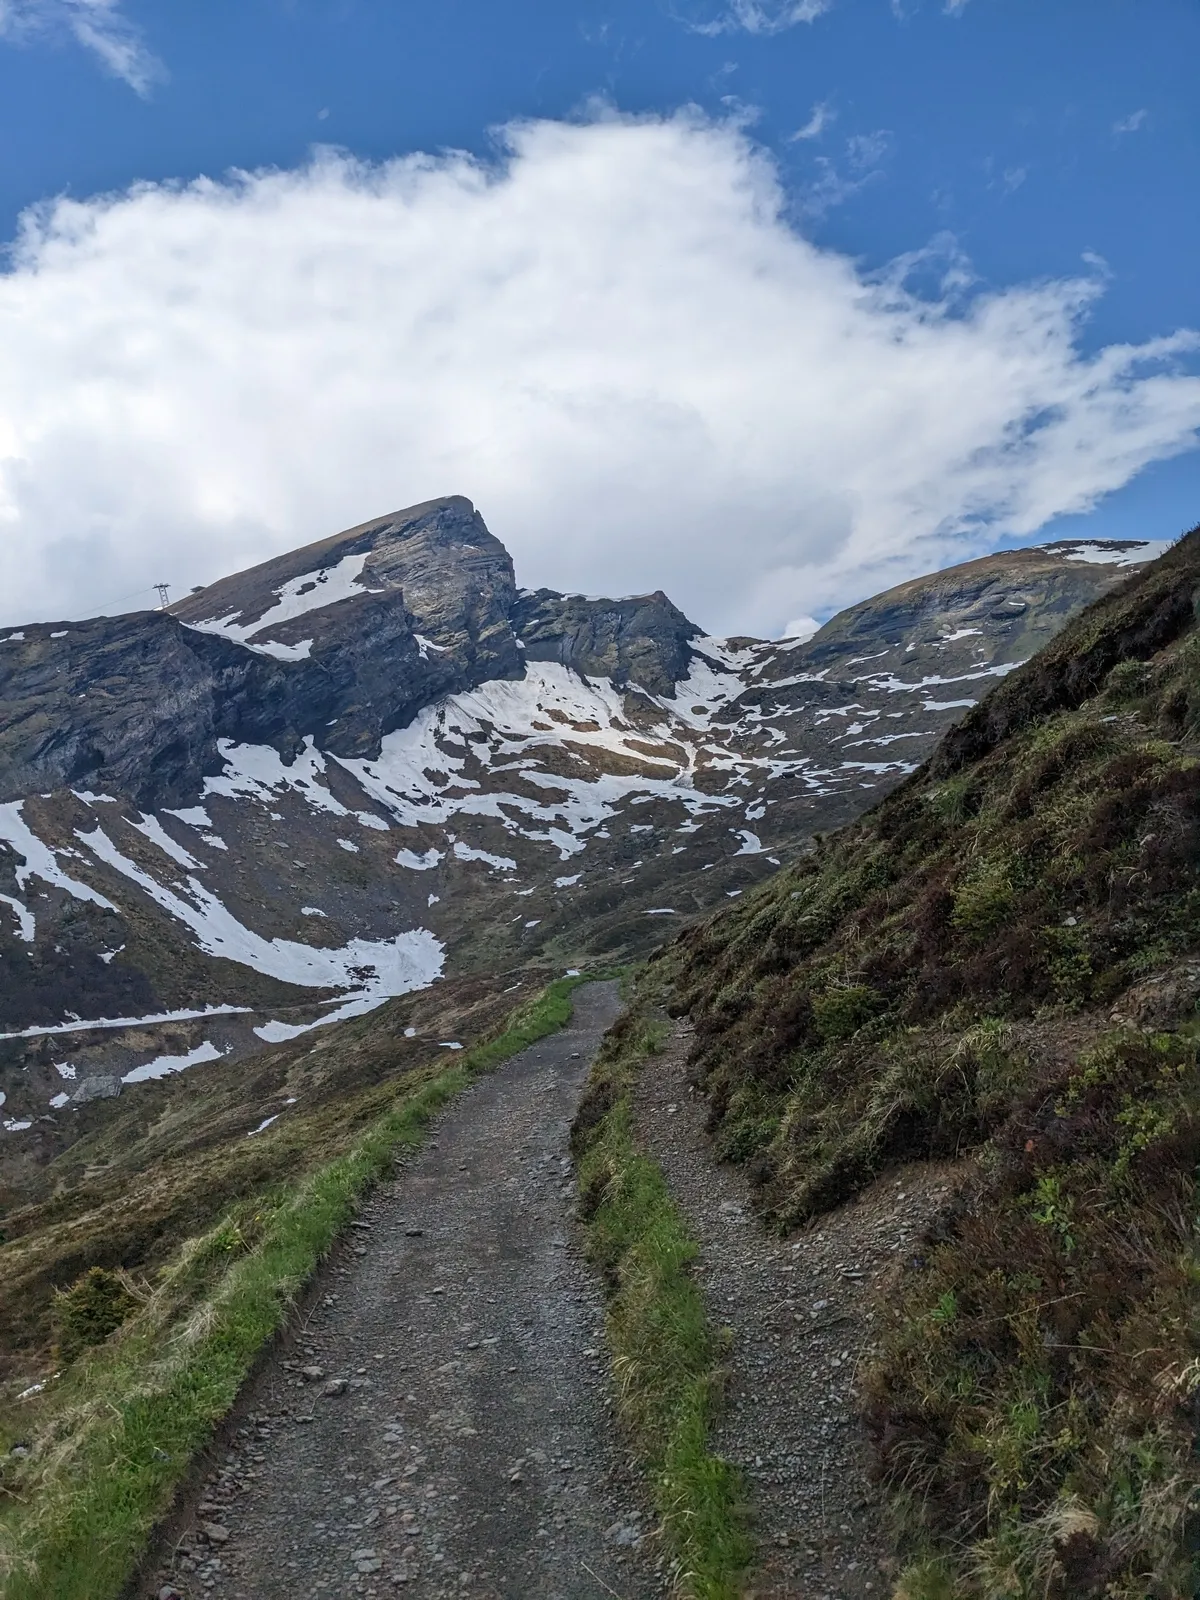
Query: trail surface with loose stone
800, 1314
442, 1424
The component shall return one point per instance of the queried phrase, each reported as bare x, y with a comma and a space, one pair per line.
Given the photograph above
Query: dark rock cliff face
137, 703
436, 562
643, 639
131, 702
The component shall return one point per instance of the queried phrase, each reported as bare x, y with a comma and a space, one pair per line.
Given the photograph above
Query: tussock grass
118, 1433
667, 1357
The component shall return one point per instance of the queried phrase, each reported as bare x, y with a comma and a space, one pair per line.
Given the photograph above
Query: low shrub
89, 1311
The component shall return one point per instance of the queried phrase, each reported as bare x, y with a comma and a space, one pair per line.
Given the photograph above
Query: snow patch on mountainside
258, 771
465, 852
157, 834
40, 861
707, 689
312, 591
163, 1066
416, 863
26, 926
375, 968
419, 773
1134, 555
86, 1024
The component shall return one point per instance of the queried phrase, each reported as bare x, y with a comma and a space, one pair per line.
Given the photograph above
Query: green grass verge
667, 1357
129, 1418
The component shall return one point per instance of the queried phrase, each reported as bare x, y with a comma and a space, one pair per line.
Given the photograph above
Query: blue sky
1014, 144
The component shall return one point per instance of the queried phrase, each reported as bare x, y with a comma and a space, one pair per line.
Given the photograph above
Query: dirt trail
800, 1314
454, 1435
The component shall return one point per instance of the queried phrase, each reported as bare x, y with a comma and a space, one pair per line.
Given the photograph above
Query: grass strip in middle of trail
667, 1357
129, 1417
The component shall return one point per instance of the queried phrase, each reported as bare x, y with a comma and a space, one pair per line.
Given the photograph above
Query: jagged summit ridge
436, 565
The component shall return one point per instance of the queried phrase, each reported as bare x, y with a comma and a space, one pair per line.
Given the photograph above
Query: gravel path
442, 1425
800, 1314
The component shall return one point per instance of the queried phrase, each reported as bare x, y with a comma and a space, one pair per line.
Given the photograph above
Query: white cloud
1131, 123
822, 115
800, 628
97, 25
764, 16
864, 158
866, 150
614, 340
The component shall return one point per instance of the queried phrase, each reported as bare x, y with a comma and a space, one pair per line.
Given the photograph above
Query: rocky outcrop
127, 702
436, 563
640, 640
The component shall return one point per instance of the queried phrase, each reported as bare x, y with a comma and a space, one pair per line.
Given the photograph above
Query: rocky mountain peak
340, 641
436, 562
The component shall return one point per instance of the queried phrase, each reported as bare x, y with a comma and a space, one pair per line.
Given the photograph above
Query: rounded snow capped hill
1004, 606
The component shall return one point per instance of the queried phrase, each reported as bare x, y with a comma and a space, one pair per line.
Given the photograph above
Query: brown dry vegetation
1004, 958
159, 1165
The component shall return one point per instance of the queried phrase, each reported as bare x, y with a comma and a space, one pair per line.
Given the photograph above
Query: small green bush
842, 1012
89, 1311
984, 901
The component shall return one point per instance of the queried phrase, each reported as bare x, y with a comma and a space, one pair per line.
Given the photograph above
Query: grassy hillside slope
143, 1279
1002, 963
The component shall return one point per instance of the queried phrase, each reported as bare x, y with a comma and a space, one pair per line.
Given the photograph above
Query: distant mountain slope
335, 776
1000, 966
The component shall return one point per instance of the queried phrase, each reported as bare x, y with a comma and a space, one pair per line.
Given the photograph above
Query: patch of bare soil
442, 1424
799, 1310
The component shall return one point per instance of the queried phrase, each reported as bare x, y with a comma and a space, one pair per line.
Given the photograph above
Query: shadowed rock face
642, 639
133, 703
418, 606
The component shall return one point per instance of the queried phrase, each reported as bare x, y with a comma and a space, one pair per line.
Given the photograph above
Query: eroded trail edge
442, 1424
